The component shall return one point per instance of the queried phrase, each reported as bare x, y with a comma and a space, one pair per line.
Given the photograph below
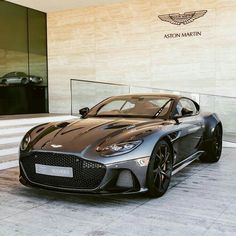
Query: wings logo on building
186, 18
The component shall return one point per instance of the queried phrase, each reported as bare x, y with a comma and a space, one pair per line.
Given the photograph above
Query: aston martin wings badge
186, 18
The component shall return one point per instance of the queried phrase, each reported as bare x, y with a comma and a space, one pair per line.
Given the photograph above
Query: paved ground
200, 201
230, 137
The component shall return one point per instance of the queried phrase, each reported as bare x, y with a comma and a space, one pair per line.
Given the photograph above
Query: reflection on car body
13, 78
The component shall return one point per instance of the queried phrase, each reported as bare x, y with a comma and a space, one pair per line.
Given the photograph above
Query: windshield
133, 107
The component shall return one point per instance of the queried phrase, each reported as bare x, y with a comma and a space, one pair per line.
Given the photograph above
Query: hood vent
175, 135
118, 126
62, 124
39, 130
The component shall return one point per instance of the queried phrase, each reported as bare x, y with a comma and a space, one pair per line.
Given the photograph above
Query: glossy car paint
85, 137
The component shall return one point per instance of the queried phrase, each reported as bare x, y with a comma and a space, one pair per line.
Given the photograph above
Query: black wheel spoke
165, 174
155, 171
165, 159
158, 159
157, 179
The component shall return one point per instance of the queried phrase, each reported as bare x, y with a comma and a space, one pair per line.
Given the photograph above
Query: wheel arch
211, 122
168, 140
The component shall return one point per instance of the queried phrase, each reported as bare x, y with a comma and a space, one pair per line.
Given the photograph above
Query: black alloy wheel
24, 81
4, 82
214, 148
160, 169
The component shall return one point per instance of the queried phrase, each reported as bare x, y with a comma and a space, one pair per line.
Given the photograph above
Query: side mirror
186, 112
84, 111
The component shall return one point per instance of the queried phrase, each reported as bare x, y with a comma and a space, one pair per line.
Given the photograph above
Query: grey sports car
125, 144
20, 78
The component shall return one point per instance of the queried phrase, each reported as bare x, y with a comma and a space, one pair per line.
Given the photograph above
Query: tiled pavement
201, 201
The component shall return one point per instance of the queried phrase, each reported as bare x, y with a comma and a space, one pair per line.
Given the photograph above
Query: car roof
15, 73
157, 95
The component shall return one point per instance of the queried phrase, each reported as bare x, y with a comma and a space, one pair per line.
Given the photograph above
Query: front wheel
214, 148
160, 169
24, 81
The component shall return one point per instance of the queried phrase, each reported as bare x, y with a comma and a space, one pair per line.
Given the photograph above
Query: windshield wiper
162, 108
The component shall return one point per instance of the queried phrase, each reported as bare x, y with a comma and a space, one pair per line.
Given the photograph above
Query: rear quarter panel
211, 120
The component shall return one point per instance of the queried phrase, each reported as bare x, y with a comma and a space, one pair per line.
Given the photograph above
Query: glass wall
37, 44
23, 60
13, 40
89, 93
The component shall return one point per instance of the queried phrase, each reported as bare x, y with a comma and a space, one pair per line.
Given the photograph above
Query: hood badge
186, 18
56, 146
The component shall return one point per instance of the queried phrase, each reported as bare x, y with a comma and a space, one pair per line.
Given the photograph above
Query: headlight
120, 148
25, 142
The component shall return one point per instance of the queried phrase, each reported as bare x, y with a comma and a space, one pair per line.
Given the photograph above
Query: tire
213, 148
160, 169
4, 82
24, 81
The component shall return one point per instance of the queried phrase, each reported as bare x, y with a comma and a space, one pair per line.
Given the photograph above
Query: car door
190, 126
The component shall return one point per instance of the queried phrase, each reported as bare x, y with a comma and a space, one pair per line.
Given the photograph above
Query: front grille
86, 174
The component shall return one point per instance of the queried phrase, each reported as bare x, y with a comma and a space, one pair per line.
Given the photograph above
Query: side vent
173, 136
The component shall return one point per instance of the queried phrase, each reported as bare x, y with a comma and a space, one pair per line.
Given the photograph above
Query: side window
187, 104
178, 109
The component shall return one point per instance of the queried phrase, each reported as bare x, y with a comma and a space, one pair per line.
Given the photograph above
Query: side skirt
179, 166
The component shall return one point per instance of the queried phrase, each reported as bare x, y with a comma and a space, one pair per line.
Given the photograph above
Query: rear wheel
4, 82
160, 169
214, 148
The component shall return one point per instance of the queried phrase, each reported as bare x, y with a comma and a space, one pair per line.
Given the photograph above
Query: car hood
83, 134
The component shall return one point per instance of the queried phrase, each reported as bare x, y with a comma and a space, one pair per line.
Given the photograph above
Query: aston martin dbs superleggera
125, 144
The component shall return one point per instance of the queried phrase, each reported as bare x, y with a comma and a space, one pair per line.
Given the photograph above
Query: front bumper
128, 176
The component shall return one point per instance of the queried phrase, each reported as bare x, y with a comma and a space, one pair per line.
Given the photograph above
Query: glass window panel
13, 40
37, 44
23, 52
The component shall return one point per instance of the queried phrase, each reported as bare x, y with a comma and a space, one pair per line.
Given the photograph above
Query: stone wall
128, 43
